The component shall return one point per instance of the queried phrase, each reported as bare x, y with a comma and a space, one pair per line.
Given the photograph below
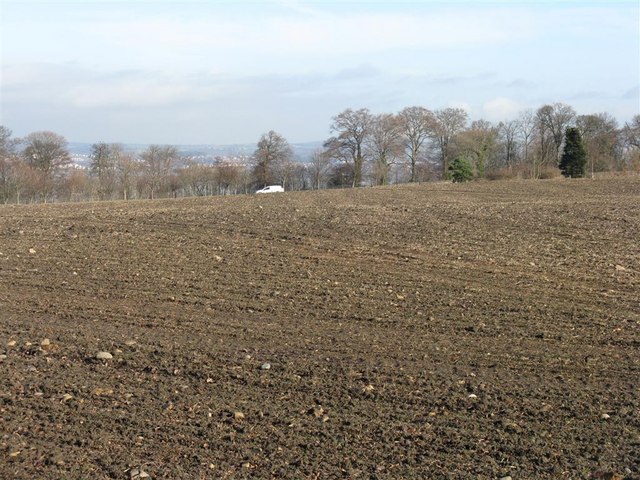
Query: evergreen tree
574, 158
461, 170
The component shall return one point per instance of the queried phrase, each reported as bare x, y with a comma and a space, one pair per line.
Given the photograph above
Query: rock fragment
104, 356
138, 473
316, 411
103, 392
265, 366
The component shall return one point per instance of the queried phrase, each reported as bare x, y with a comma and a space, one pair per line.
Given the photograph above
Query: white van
271, 189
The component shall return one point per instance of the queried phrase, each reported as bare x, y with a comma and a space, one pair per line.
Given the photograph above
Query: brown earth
430, 331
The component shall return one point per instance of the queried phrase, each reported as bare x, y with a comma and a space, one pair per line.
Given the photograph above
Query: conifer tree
574, 157
461, 170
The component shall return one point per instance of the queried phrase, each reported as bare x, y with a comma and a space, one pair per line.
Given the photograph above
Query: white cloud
233, 69
501, 108
466, 106
231, 42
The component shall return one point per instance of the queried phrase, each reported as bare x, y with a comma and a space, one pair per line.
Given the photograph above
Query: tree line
413, 145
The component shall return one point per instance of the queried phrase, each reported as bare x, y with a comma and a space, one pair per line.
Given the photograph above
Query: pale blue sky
186, 72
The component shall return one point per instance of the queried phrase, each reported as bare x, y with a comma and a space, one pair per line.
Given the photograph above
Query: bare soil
470, 331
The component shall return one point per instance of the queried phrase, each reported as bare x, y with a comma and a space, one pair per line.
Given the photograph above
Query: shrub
547, 173
502, 174
461, 170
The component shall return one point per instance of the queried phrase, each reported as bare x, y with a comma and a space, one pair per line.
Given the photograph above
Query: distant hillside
302, 151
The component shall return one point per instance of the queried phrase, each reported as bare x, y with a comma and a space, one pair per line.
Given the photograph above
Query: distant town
237, 154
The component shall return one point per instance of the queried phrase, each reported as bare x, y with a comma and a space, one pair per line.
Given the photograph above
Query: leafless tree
128, 169
601, 138
272, 151
30, 183
104, 159
46, 152
75, 186
196, 178
8, 144
297, 176
417, 123
8, 160
527, 127
631, 138
319, 168
631, 132
158, 162
286, 173
352, 129
508, 135
384, 145
553, 121
448, 122
228, 176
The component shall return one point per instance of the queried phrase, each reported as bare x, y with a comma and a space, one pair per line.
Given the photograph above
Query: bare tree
448, 122
631, 137
104, 162
30, 183
228, 176
341, 176
553, 121
286, 173
319, 168
8, 160
8, 144
416, 123
46, 152
75, 186
527, 126
352, 129
128, 169
508, 134
196, 178
158, 163
272, 151
631, 132
600, 136
384, 145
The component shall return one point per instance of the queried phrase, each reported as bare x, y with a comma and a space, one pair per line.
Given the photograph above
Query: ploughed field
476, 331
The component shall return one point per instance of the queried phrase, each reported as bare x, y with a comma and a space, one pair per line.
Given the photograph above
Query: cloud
263, 42
589, 95
76, 87
500, 109
204, 66
463, 105
632, 94
521, 83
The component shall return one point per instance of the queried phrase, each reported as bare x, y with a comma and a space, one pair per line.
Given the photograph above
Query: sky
225, 72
